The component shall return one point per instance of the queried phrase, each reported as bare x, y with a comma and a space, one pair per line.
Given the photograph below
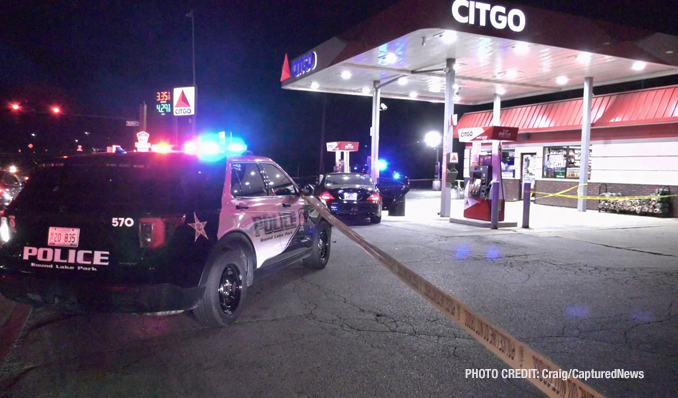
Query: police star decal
199, 227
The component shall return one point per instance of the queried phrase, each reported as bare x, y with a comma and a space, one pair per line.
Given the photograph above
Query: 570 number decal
122, 222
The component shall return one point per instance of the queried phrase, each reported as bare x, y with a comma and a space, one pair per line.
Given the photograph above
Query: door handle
240, 206
287, 204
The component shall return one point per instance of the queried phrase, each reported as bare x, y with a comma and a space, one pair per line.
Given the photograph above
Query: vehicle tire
375, 220
322, 243
398, 208
225, 290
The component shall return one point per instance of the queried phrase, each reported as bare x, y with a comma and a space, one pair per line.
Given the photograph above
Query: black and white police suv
154, 233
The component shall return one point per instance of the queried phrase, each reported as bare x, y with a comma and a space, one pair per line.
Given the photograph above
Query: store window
562, 162
508, 164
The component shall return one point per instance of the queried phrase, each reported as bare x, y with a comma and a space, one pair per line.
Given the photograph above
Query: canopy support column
376, 102
496, 145
448, 139
585, 143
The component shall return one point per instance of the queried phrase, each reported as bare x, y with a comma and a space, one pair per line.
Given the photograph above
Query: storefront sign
305, 64
496, 133
477, 13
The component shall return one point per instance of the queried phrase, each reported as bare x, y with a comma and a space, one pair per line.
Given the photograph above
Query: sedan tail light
375, 197
154, 231
326, 196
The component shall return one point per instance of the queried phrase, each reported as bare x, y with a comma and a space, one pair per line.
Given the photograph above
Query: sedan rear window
351, 179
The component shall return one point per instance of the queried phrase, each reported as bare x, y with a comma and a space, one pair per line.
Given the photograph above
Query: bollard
527, 189
494, 218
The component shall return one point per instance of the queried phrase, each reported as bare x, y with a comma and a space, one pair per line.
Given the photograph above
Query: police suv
154, 233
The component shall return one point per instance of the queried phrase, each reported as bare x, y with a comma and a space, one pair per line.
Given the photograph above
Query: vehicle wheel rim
323, 243
229, 290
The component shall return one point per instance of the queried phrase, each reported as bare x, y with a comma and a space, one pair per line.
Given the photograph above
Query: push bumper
91, 296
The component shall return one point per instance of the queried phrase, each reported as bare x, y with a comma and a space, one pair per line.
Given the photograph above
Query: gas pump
479, 180
484, 169
342, 149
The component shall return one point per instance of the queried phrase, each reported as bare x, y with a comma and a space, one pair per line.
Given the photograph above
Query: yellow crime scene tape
561, 194
509, 349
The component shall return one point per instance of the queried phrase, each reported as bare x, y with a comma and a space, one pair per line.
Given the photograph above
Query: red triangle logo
182, 102
286, 70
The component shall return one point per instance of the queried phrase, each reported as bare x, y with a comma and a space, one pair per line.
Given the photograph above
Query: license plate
350, 196
63, 237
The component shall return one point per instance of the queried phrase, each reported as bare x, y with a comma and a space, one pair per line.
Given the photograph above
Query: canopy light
346, 75
315, 85
403, 81
584, 58
449, 37
521, 48
414, 94
639, 65
562, 80
391, 58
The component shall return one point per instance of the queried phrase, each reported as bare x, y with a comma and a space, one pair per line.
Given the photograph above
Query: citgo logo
498, 18
304, 64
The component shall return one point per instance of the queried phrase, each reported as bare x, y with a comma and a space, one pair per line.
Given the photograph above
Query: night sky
99, 60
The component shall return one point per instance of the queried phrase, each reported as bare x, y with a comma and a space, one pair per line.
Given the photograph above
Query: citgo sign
477, 11
304, 64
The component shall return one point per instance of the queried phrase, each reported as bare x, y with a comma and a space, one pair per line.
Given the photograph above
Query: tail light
375, 197
154, 231
4, 230
326, 196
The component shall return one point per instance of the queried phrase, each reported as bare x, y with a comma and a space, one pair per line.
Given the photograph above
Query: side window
246, 180
277, 181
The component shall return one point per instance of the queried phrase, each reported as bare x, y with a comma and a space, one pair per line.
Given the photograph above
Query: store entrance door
528, 170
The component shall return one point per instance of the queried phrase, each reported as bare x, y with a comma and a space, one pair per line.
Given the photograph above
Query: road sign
184, 101
454, 157
142, 145
132, 123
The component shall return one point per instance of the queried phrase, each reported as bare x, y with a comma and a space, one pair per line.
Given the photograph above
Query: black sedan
350, 194
393, 192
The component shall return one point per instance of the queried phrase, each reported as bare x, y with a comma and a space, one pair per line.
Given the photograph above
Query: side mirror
307, 190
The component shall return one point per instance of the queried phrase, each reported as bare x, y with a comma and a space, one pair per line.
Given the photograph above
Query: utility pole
142, 116
195, 105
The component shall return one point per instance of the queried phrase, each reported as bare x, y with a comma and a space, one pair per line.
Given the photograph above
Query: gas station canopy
499, 48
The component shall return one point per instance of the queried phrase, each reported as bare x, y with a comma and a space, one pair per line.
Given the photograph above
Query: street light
433, 139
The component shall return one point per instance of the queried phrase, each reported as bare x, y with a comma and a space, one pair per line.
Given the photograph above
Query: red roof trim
642, 107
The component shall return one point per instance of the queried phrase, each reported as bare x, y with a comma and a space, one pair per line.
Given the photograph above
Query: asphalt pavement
597, 293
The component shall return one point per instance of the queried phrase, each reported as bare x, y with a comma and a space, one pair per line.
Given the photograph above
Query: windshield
348, 179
